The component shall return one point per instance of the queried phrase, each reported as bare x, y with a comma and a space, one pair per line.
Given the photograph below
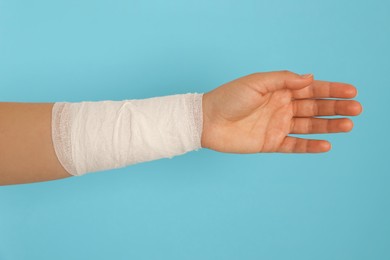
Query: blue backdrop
204, 204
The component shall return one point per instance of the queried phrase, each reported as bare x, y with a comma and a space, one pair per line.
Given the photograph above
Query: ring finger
302, 125
323, 107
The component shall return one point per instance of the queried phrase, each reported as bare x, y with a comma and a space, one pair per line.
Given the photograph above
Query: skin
255, 113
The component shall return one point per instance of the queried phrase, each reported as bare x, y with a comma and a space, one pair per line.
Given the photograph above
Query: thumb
299, 81
277, 80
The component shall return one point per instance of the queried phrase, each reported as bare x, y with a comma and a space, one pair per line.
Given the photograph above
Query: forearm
26, 147
96, 136
46, 141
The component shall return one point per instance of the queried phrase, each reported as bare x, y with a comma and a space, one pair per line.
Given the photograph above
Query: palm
251, 115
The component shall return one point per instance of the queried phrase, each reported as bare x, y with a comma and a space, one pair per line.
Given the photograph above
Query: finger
302, 125
266, 82
326, 89
299, 145
320, 107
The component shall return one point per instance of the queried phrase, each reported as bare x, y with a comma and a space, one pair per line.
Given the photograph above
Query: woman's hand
257, 112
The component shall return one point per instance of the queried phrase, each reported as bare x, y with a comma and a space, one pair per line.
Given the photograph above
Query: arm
26, 148
255, 113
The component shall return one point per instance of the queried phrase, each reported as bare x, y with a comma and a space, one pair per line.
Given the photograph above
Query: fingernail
306, 76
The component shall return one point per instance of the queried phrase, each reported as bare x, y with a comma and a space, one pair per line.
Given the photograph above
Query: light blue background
201, 205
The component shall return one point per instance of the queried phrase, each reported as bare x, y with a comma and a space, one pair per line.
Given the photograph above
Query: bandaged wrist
102, 135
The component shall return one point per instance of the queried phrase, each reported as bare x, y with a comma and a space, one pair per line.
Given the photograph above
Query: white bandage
96, 136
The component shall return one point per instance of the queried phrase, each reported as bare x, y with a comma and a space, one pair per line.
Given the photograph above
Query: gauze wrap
101, 135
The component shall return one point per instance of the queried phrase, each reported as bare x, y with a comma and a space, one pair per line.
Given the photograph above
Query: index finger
325, 89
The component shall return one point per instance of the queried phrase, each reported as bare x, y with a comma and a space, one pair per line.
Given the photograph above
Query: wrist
206, 121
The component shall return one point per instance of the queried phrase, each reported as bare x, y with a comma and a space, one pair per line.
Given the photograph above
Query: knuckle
286, 72
316, 108
310, 125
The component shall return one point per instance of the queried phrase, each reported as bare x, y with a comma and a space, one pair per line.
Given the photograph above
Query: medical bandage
102, 135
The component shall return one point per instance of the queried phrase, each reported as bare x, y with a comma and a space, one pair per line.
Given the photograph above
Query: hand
257, 112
